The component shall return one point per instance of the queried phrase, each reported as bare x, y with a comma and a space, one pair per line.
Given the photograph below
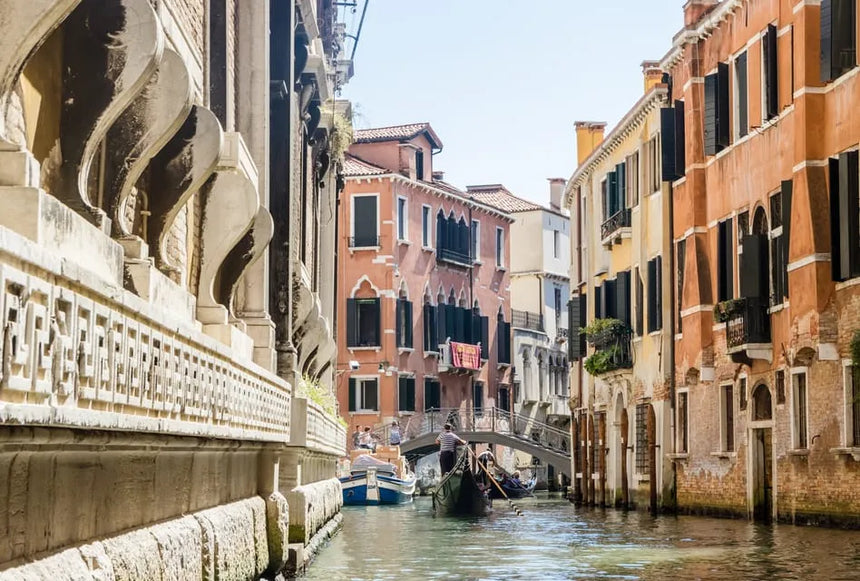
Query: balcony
747, 328
364, 242
612, 228
612, 342
527, 320
453, 257
459, 358
561, 334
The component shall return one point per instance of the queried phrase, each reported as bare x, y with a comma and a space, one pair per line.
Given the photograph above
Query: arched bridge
489, 426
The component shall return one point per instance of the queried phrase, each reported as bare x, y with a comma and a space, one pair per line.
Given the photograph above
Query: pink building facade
423, 274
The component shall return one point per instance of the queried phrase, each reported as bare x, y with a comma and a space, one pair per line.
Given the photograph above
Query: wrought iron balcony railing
363, 241
527, 320
748, 323
617, 221
453, 256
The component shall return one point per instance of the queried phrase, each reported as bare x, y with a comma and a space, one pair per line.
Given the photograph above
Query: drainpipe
671, 351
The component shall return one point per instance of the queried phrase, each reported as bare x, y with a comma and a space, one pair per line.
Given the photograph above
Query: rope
515, 508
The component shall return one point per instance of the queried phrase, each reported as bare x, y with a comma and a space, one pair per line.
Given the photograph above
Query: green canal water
555, 540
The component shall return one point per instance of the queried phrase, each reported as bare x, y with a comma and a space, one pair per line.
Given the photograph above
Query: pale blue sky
502, 81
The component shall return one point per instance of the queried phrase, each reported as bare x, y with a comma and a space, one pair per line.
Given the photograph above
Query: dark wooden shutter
835, 245
573, 316
778, 268
680, 141
640, 303
723, 124
608, 299
598, 303
485, 337
711, 87
743, 94
754, 267
843, 20
612, 193
652, 295
352, 395
410, 402
659, 298
787, 188
667, 144
364, 221
621, 192
398, 323
771, 75
826, 60
849, 265
351, 324
408, 314
441, 231
622, 297
725, 261
583, 322
377, 317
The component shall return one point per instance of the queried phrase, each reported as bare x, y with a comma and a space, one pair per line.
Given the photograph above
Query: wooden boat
373, 481
512, 490
459, 494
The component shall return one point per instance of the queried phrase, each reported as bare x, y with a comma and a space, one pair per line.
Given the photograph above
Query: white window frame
795, 371
352, 213
723, 427
427, 221
848, 395
359, 393
403, 225
500, 247
476, 244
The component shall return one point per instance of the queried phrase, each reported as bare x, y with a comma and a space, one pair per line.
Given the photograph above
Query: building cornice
429, 188
702, 30
634, 118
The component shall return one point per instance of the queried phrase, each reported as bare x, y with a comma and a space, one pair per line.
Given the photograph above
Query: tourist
366, 441
356, 437
394, 435
448, 441
515, 481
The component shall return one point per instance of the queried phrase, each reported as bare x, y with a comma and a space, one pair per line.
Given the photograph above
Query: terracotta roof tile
498, 196
355, 167
396, 133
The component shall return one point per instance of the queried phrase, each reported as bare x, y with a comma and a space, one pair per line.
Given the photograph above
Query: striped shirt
447, 441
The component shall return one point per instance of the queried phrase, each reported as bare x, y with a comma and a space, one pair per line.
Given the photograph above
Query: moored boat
513, 490
459, 493
373, 481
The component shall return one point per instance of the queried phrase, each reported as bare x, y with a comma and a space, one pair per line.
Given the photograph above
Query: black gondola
459, 494
513, 490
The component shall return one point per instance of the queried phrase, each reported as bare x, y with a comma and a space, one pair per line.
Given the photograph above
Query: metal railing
449, 255
487, 419
618, 220
363, 241
750, 324
527, 320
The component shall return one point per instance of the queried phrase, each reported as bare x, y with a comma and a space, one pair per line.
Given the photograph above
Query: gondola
459, 494
512, 490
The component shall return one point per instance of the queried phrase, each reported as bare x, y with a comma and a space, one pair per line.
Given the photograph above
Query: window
452, 239
604, 199
681, 254
780, 211
404, 323
727, 421
402, 219
426, 225
406, 394
419, 164
556, 292
432, 394
632, 180
798, 410
500, 247
556, 244
838, 38
769, 74
504, 399
622, 297
431, 338
717, 110
683, 422
651, 163
363, 395
362, 323
576, 314
478, 398
742, 394
844, 216
655, 294
741, 117
365, 232
476, 241
642, 463
725, 261
852, 406
673, 164
503, 330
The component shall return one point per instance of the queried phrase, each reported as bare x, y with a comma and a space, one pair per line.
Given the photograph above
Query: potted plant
727, 310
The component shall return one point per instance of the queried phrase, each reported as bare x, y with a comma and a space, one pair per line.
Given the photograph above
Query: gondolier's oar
493, 480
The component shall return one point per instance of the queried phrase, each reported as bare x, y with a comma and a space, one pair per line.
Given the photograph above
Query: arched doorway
761, 445
622, 485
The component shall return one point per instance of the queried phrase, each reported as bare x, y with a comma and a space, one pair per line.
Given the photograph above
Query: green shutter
351, 326
352, 394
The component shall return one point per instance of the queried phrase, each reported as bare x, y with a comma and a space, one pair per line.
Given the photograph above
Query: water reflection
556, 541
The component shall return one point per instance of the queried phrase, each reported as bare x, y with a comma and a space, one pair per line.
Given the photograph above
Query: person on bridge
394, 436
366, 439
448, 441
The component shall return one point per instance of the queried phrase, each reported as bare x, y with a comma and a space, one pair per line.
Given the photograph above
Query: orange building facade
761, 146
423, 286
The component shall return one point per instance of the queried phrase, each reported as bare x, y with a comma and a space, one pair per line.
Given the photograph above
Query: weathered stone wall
311, 507
225, 542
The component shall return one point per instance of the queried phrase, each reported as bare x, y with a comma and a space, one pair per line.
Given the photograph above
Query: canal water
555, 540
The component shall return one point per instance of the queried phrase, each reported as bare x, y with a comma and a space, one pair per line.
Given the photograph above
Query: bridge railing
490, 419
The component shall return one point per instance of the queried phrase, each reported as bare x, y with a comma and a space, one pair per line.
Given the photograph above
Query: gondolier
448, 441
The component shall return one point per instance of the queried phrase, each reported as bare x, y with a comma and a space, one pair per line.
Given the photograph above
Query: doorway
761, 444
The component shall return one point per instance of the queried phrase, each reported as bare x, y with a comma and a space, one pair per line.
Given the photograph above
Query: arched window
441, 229
762, 406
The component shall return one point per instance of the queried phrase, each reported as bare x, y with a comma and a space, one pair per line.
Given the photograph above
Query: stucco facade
399, 271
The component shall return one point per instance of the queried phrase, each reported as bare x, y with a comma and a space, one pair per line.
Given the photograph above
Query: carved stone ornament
151, 120
177, 172
111, 50
24, 26
249, 249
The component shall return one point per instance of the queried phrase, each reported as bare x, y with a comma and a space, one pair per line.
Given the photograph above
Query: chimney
652, 73
695, 9
556, 192
438, 175
589, 134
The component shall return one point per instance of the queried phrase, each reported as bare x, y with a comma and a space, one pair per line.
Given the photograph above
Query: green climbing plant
602, 332
312, 390
725, 310
603, 361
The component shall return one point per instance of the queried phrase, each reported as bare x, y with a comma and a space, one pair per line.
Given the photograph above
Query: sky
503, 81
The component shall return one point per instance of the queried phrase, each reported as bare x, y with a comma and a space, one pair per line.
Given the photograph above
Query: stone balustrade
80, 351
314, 429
